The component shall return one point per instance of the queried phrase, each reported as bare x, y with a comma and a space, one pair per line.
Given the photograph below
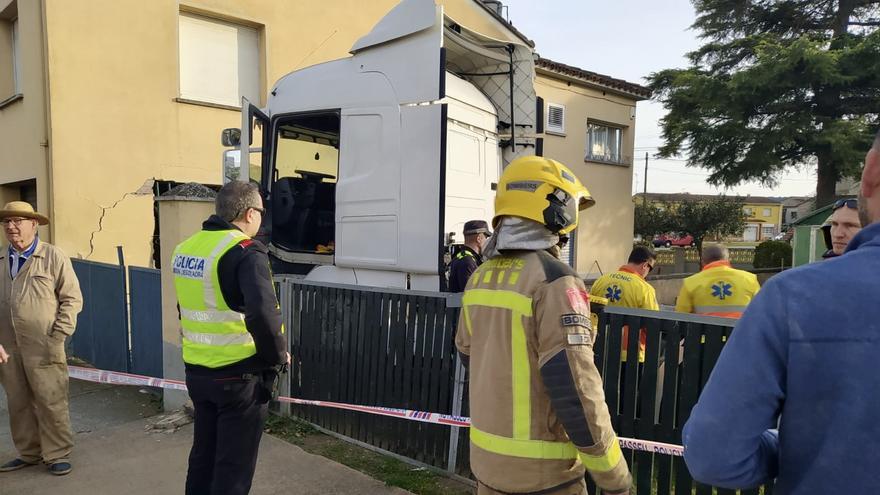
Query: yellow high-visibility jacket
627, 289
718, 290
538, 412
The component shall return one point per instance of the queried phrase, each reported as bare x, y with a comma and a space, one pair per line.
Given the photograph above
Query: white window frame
620, 159
766, 212
550, 128
238, 76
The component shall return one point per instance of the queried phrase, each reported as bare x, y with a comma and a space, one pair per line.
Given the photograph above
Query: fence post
126, 326
286, 312
457, 398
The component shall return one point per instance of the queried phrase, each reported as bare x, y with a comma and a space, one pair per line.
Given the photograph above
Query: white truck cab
371, 164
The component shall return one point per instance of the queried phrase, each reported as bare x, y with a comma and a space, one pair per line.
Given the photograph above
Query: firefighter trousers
229, 417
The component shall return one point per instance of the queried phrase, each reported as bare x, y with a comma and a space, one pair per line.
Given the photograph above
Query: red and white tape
119, 378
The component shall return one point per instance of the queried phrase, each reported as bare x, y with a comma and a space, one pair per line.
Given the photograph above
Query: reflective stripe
503, 299
715, 310
487, 277
218, 339
467, 320
519, 358
530, 449
211, 316
513, 278
213, 300
501, 277
605, 462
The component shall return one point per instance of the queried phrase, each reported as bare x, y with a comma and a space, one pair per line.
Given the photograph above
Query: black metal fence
396, 349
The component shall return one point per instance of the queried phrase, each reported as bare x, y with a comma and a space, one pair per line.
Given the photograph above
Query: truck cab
370, 165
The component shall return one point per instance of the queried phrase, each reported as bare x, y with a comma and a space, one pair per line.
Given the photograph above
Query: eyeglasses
650, 267
13, 221
261, 210
849, 203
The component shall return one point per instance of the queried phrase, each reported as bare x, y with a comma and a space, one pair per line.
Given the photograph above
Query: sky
629, 39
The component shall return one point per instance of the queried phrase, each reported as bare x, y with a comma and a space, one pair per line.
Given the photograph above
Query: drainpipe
46, 142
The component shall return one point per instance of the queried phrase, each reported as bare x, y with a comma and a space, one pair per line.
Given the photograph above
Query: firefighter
718, 289
538, 413
470, 256
232, 340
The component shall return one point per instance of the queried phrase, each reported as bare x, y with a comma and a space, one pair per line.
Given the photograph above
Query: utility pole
645, 193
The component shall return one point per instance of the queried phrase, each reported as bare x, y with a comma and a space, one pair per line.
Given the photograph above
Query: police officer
232, 339
538, 413
718, 289
469, 257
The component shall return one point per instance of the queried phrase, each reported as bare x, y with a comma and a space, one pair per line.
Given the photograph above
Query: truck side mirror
231, 137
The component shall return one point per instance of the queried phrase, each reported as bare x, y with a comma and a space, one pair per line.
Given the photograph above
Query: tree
777, 84
652, 220
716, 217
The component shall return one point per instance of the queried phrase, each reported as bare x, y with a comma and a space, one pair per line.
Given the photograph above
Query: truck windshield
303, 192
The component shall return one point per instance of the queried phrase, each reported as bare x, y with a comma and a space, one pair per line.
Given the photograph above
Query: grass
390, 471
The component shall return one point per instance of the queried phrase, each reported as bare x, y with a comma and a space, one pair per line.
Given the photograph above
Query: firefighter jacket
538, 412
718, 290
627, 289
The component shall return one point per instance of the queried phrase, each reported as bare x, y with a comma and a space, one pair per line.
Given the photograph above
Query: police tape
120, 378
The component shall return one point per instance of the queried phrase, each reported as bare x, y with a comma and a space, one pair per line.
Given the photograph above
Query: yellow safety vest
213, 334
627, 289
717, 290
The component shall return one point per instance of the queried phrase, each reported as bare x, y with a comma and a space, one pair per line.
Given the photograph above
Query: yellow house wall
23, 134
757, 215
605, 233
113, 80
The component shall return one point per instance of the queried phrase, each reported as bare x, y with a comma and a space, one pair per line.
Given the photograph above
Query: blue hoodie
805, 356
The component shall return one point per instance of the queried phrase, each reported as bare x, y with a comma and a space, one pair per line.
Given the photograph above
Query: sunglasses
849, 203
261, 210
650, 267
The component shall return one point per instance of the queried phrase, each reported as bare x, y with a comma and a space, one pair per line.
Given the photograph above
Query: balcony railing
612, 159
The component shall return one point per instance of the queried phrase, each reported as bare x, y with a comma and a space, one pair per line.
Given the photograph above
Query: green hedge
773, 254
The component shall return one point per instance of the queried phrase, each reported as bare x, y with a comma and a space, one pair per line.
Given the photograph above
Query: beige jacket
537, 404
38, 308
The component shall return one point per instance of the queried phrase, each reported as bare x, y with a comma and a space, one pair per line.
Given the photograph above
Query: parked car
669, 240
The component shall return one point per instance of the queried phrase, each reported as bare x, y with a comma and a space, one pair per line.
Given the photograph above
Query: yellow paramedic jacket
538, 413
718, 290
627, 289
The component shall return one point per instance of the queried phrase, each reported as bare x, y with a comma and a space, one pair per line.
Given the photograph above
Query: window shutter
219, 61
555, 118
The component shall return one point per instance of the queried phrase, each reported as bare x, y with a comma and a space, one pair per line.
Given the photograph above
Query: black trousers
229, 417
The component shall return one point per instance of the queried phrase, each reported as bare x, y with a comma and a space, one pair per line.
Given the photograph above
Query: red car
669, 240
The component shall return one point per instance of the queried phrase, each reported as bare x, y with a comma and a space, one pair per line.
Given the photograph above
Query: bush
773, 254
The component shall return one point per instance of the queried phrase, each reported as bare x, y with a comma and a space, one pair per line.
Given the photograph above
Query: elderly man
842, 226
719, 289
803, 358
39, 301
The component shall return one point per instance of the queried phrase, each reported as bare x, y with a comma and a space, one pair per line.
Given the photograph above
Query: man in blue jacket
804, 357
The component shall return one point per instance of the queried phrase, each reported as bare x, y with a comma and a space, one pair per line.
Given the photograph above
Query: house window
555, 118
748, 211
766, 212
10, 52
219, 61
567, 253
793, 215
604, 143
767, 232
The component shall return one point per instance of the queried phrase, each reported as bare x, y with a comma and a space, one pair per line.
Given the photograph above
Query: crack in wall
146, 188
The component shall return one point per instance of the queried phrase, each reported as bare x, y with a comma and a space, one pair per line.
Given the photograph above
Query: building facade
104, 102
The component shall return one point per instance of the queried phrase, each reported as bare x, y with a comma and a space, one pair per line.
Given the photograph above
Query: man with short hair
803, 357
627, 288
232, 340
39, 301
842, 226
719, 289
470, 256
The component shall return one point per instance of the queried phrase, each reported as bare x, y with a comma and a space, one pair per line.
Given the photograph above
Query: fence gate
101, 336
146, 320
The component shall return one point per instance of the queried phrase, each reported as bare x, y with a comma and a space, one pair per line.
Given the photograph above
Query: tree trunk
826, 180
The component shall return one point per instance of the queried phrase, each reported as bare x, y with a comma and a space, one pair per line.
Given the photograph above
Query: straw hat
24, 210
